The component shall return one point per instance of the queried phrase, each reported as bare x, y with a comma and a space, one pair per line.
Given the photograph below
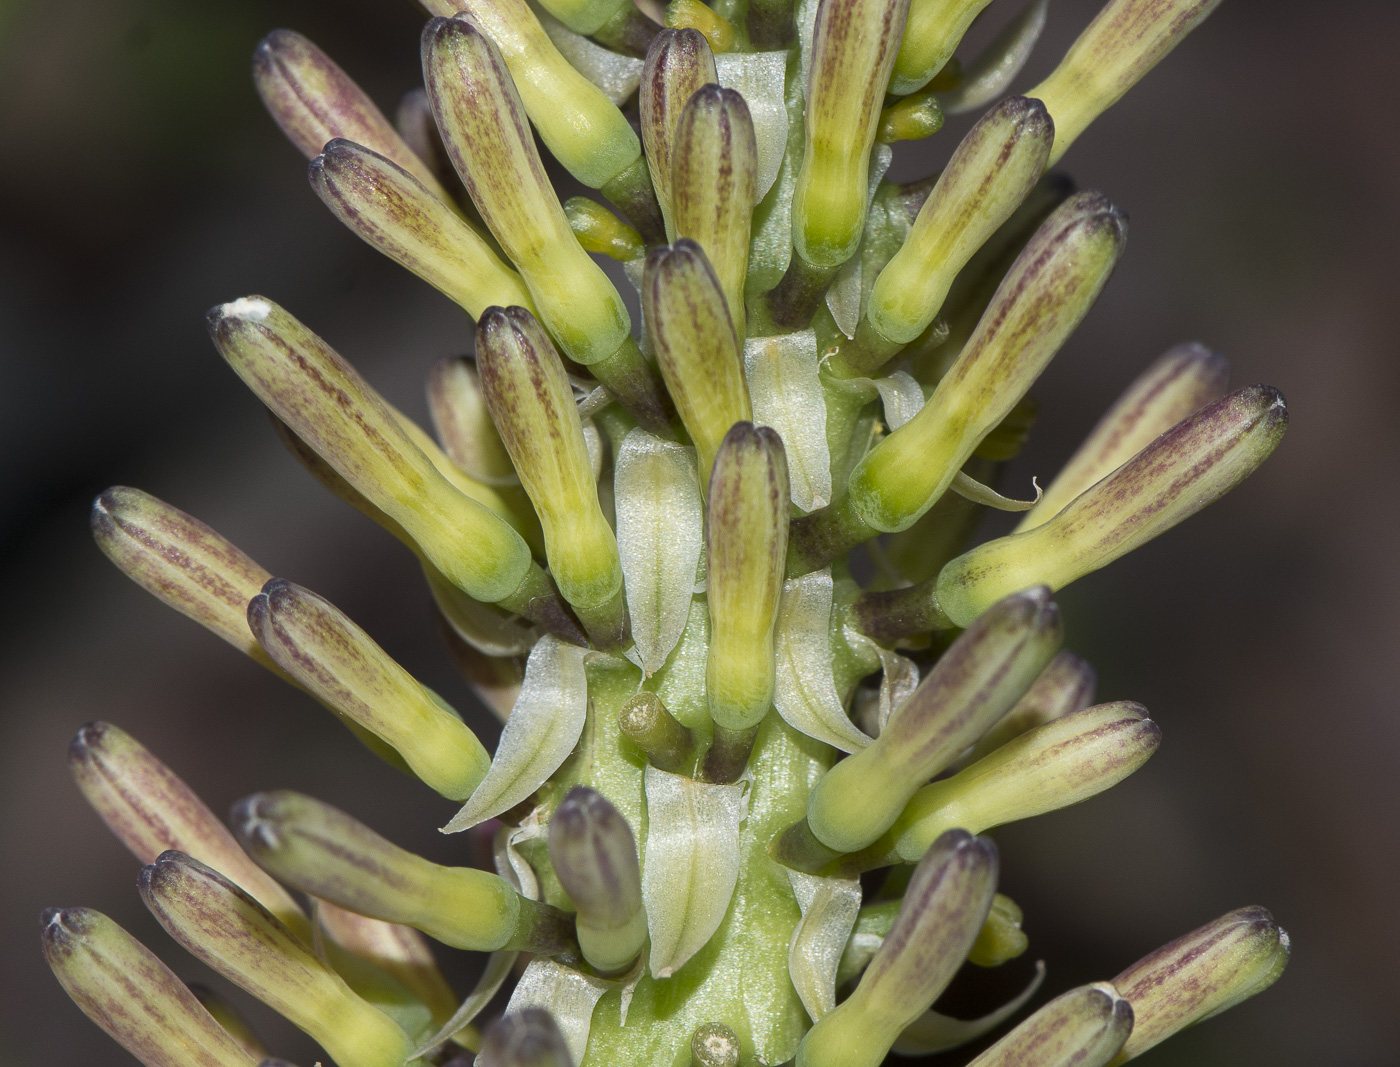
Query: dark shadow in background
142, 184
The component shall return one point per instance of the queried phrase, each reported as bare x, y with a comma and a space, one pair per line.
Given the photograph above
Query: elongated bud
488, 137
527, 1038
1066, 685
413, 118
971, 686
714, 174
1053, 766
853, 51
696, 346
746, 544
1126, 40
314, 101
1001, 937
235, 935
532, 404
1194, 464
931, 35
463, 423
1201, 974
1082, 1028
595, 856
314, 642
323, 851
400, 951
992, 171
697, 15
714, 1045
151, 810
678, 64
122, 987
1049, 289
231, 1021
667, 743
911, 119
601, 232
584, 16
396, 213
329, 406
1181, 382
943, 910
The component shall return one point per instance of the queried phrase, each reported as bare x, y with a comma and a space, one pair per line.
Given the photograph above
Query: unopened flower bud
414, 120
1053, 766
943, 909
393, 211
532, 404
696, 346
714, 1045
488, 137
911, 119
321, 648
1001, 937
528, 1038
601, 232
136, 999
323, 851
853, 50
1048, 290
746, 544
1126, 40
1194, 464
970, 687
678, 64
584, 16
699, 16
992, 171
1200, 975
1181, 382
714, 174
1082, 1028
151, 811
668, 744
463, 423
330, 407
931, 35
314, 101
1066, 685
595, 858
235, 935
231, 1020
400, 951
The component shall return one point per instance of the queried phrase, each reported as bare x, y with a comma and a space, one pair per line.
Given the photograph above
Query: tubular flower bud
699, 16
1001, 937
122, 987
488, 138
1066, 685
532, 404
393, 211
972, 686
232, 933
714, 1045
1049, 289
463, 423
714, 174
528, 1038
668, 745
400, 951
1126, 40
696, 347
1194, 464
324, 852
584, 16
1082, 1028
151, 811
595, 858
853, 50
321, 648
1180, 383
678, 64
746, 544
992, 171
330, 407
931, 34
944, 907
314, 102
911, 119
600, 231
1053, 766
1201, 974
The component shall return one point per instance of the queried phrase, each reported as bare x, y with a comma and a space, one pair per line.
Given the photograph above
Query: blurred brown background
141, 183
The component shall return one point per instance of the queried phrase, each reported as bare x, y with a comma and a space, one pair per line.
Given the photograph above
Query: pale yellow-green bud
602, 232
678, 64
1082, 1028
398, 950
695, 15
1066, 685
464, 425
1001, 937
584, 16
931, 35
910, 119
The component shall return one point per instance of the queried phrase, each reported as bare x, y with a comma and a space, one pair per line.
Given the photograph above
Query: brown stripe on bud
1082, 1028
526, 1038
696, 346
391, 210
746, 544
972, 685
463, 423
713, 179
122, 987
678, 64
1194, 464
232, 933
231, 1020
1066, 685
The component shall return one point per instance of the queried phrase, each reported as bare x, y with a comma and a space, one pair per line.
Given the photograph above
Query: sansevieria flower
761, 702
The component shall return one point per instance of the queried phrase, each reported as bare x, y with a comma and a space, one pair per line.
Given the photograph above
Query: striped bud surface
678, 64
1066, 685
1082, 1028
463, 422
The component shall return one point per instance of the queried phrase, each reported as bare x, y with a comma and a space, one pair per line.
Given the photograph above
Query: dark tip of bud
86, 739
60, 927
528, 1038
581, 808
